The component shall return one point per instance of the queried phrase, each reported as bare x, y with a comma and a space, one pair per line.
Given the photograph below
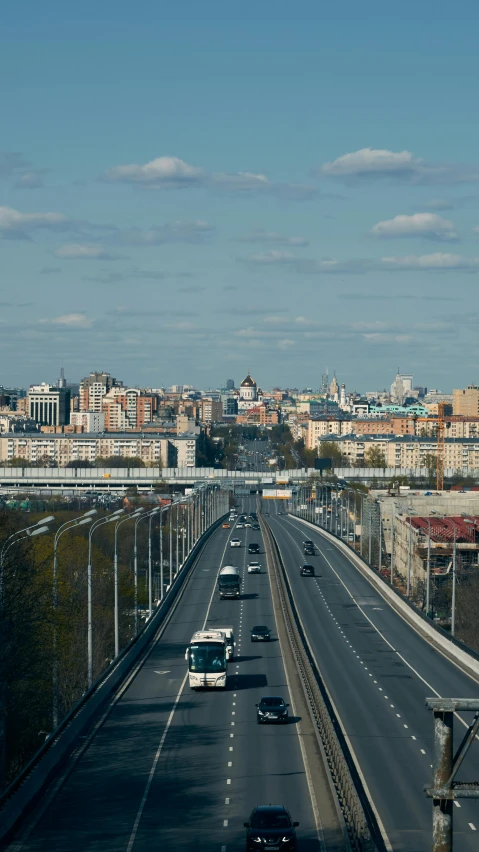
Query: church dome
248, 382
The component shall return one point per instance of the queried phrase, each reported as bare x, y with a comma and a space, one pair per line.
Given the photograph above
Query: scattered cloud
74, 320
285, 343
437, 262
174, 173
13, 164
134, 274
428, 225
379, 164
79, 251
305, 266
50, 270
193, 288
262, 236
16, 225
171, 232
163, 171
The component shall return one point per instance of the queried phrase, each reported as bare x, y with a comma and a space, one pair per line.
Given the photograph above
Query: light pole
87, 518
100, 522
130, 517
151, 515
409, 553
39, 528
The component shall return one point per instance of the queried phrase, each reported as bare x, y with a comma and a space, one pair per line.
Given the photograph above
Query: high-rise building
48, 405
93, 388
230, 384
466, 401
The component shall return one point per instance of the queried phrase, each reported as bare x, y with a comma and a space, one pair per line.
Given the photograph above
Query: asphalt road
173, 769
378, 671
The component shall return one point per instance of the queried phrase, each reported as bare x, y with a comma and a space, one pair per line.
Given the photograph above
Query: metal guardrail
26, 789
363, 831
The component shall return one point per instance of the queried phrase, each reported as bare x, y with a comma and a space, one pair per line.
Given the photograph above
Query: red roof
442, 529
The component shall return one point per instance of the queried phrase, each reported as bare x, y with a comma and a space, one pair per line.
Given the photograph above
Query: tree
16, 461
79, 463
331, 450
119, 461
430, 462
374, 457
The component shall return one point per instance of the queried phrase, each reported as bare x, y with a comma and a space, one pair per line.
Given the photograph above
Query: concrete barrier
25, 790
447, 646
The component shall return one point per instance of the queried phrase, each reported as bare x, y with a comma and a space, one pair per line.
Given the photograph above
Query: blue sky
189, 191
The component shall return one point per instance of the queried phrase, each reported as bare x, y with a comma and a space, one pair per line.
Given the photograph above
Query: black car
309, 550
253, 548
307, 570
272, 708
270, 827
260, 633
308, 543
255, 526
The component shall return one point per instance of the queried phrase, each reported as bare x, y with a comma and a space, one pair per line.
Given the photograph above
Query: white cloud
79, 251
428, 225
262, 236
432, 263
370, 162
70, 321
172, 232
14, 223
306, 266
285, 343
171, 172
163, 170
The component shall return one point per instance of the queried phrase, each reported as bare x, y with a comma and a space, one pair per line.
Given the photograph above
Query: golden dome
248, 382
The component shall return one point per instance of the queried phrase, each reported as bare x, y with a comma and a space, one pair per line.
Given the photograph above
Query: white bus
207, 659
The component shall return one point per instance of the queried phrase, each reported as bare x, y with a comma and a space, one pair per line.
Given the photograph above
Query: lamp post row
198, 512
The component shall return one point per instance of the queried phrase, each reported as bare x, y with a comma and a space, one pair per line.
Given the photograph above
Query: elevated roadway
378, 671
173, 769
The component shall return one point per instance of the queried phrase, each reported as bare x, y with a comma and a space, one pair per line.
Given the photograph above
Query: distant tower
342, 396
230, 384
334, 389
62, 382
324, 382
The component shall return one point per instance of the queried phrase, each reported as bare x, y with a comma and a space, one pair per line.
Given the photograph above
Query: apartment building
211, 410
93, 388
324, 426
60, 449
90, 421
466, 401
409, 450
127, 408
49, 405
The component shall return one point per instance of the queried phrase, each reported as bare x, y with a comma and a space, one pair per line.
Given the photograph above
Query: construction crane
441, 447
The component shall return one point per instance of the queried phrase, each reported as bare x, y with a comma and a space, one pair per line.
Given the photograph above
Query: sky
193, 191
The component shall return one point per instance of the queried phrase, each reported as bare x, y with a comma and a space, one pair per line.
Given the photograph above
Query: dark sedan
272, 709
260, 633
270, 827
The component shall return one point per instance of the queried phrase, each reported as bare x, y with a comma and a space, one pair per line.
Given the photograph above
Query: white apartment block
153, 450
92, 421
409, 450
319, 428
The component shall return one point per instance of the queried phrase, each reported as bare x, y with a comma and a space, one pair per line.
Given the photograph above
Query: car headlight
286, 839
256, 839
261, 712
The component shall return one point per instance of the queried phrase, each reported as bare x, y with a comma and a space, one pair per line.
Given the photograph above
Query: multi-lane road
378, 671
174, 769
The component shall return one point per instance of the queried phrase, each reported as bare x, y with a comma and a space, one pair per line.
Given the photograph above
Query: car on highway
255, 526
253, 547
226, 525
260, 633
308, 543
270, 827
235, 542
272, 708
248, 524
309, 550
254, 568
307, 570
239, 526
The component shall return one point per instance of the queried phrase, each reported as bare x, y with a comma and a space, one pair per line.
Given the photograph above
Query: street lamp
86, 518
39, 528
130, 517
148, 515
100, 522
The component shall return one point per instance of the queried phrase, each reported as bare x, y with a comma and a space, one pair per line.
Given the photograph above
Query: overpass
117, 479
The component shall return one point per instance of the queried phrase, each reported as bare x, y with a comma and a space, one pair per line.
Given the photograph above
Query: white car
254, 568
247, 524
235, 542
239, 526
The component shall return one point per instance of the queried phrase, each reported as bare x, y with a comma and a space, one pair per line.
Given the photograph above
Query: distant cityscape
67, 424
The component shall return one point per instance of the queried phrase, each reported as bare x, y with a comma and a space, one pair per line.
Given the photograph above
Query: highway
173, 769
378, 672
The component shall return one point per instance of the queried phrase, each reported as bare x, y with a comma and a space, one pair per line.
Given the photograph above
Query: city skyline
238, 187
